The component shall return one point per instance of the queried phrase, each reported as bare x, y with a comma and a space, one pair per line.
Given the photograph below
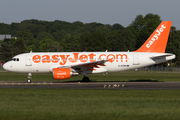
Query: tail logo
155, 37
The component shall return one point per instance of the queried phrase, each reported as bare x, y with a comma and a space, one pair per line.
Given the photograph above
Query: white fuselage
41, 62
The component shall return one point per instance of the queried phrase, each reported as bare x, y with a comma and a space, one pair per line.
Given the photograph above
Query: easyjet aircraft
64, 65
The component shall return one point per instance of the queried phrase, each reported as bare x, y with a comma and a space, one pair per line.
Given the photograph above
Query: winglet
158, 40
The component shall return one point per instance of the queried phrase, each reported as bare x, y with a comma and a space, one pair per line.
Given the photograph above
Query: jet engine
63, 73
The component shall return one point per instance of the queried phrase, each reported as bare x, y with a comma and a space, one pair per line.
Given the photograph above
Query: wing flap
90, 67
95, 64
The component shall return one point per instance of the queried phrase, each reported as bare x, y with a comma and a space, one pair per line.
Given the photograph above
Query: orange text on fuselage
75, 57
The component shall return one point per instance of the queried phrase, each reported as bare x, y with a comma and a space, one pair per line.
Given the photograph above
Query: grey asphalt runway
92, 85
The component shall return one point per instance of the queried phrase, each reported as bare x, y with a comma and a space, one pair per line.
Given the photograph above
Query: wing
86, 68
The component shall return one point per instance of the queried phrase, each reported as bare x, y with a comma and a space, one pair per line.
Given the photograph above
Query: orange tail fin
158, 40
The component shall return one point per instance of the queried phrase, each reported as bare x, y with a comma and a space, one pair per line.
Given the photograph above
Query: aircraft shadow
143, 80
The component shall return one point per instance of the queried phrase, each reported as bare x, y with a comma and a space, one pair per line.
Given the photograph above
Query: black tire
85, 79
28, 80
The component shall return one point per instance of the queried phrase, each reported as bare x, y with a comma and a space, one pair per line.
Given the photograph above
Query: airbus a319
64, 65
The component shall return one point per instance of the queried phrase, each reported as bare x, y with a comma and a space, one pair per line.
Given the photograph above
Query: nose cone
6, 66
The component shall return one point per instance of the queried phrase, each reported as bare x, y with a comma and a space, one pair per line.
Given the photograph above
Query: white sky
87, 11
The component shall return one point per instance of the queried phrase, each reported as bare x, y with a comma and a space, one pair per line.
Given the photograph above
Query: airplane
64, 65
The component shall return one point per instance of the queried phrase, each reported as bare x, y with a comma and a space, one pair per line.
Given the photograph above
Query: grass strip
69, 104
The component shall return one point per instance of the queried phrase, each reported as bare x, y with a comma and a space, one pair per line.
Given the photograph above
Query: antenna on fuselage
106, 50
31, 51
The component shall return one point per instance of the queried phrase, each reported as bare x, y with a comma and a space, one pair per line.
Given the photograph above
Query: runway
92, 85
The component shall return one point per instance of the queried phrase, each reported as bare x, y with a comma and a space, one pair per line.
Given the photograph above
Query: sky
87, 11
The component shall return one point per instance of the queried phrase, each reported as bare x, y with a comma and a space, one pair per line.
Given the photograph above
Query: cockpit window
14, 59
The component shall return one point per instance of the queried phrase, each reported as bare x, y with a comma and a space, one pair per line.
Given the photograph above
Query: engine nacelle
62, 73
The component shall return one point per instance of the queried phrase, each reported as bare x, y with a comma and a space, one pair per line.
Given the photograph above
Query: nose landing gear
29, 78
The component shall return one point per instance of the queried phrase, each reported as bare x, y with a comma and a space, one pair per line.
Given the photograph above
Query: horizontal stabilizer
160, 56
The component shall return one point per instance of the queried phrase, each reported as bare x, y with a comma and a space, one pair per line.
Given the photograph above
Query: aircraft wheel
28, 80
85, 79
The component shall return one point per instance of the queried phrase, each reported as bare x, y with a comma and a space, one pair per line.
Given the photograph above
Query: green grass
122, 76
62, 104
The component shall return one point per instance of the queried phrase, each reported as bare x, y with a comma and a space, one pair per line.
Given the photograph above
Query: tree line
61, 36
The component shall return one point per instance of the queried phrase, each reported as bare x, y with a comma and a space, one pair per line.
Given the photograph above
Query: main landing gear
85, 79
29, 78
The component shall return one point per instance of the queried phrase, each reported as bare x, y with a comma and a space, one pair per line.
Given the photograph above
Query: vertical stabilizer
158, 40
